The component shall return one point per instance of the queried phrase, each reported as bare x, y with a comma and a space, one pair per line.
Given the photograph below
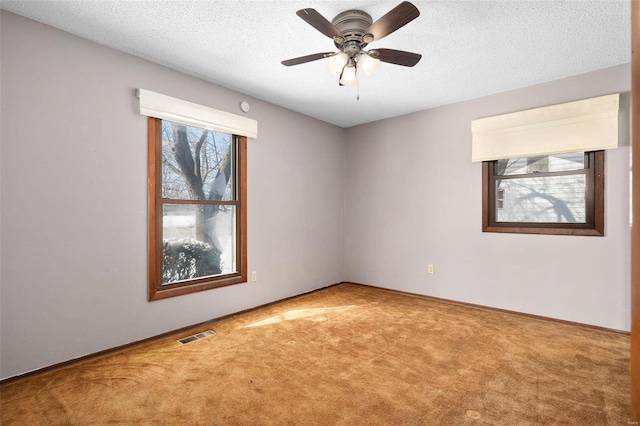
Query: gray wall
413, 197
74, 200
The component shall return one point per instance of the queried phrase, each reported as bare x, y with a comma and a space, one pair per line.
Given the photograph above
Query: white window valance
165, 107
586, 125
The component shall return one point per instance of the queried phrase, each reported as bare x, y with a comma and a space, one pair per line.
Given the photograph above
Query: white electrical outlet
254, 276
430, 268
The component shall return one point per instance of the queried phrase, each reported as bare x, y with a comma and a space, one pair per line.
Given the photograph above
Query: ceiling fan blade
319, 22
396, 18
398, 57
308, 58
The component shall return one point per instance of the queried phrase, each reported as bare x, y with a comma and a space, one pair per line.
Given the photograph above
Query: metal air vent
202, 335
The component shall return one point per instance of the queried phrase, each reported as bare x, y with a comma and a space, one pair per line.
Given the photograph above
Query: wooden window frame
158, 291
594, 225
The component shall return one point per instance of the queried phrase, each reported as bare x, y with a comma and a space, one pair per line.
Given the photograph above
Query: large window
547, 194
197, 209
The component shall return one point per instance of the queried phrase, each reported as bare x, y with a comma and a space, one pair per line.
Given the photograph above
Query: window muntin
197, 196
551, 194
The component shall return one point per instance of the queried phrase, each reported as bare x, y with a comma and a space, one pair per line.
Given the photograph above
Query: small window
550, 194
197, 209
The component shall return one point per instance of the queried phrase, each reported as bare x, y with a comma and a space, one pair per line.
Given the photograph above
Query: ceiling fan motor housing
352, 24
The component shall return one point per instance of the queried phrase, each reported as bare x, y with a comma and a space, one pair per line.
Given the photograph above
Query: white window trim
165, 107
585, 125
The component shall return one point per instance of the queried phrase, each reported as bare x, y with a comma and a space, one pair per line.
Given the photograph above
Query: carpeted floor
346, 355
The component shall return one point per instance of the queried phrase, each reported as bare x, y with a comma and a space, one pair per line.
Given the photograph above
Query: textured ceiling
469, 48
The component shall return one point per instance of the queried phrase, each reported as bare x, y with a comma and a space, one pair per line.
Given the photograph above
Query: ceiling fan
351, 32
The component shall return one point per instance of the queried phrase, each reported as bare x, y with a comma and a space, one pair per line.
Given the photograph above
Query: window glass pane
540, 164
552, 199
197, 164
198, 241
565, 162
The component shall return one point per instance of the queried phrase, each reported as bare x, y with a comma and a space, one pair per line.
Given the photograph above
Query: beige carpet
346, 355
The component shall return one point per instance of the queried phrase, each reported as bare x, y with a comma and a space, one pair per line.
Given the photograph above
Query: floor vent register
194, 337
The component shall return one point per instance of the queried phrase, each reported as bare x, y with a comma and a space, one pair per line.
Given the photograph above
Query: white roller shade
586, 125
156, 105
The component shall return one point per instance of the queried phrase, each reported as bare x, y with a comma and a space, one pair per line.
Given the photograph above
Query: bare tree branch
203, 137
185, 162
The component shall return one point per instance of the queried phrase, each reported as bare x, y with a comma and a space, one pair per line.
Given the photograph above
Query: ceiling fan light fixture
348, 76
368, 64
337, 62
